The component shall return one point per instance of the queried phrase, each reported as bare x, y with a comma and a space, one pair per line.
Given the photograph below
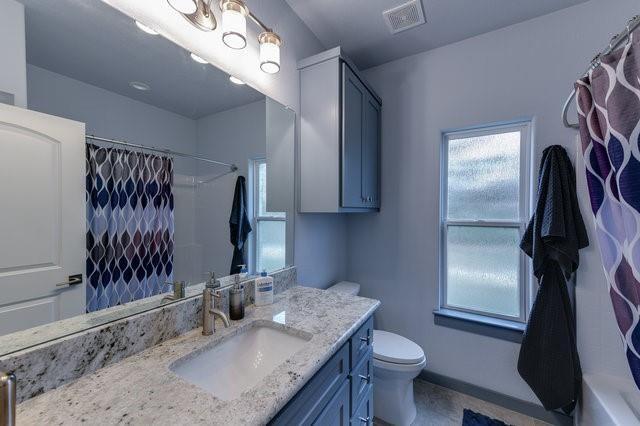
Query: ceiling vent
404, 17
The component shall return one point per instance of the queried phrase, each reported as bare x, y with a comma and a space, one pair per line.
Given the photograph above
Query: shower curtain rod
233, 167
615, 42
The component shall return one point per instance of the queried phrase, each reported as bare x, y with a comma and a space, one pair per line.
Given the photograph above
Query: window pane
271, 245
262, 193
482, 269
483, 177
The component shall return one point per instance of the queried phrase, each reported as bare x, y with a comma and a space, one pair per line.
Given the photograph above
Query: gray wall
525, 70
235, 136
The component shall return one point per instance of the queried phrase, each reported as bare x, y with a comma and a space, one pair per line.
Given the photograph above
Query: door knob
72, 280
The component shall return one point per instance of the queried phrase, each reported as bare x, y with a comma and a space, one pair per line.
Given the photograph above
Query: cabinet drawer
363, 415
314, 396
361, 380
361, 342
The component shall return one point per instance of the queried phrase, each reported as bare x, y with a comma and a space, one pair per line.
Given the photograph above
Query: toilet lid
391, 347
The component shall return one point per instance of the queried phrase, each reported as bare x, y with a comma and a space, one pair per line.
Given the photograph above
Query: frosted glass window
262, 191
270, 228
271, 245
482, 269
484, 177
485, 200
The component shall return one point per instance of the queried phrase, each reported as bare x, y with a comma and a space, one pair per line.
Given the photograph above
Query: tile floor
438, 406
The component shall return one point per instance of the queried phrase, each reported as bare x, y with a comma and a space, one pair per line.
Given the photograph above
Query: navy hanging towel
548, 360
239, 225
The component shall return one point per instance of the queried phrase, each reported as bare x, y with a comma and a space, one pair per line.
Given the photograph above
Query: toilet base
393, 400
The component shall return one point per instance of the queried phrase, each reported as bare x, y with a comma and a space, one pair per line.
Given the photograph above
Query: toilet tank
346, 287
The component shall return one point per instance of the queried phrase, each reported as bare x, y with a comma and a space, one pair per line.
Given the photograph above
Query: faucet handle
212, 282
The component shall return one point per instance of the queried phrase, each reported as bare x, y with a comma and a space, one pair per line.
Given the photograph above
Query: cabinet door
311, 401
363, 415
353, 100
336, 412
371, 152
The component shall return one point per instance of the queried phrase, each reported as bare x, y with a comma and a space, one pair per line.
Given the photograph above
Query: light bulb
184, 6
270, 44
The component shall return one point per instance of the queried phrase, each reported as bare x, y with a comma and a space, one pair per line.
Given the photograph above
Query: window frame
257, 217
525, 127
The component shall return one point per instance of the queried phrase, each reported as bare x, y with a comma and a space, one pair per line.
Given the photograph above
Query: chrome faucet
209, 313
178, 291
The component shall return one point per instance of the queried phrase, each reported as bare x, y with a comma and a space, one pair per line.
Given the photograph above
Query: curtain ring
613, 39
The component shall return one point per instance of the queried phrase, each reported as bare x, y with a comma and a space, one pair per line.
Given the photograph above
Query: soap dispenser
236, 299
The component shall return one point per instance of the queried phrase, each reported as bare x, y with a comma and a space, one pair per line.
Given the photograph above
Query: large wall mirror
175, 152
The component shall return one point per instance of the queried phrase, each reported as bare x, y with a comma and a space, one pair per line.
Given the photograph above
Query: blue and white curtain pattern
130, 226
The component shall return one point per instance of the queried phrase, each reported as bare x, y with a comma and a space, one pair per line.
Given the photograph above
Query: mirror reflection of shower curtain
609, 115
130, 226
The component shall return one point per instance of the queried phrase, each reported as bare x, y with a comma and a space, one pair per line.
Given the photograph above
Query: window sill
480, 324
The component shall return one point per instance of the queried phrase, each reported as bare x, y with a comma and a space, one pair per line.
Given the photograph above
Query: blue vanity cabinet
341, 392
340, 130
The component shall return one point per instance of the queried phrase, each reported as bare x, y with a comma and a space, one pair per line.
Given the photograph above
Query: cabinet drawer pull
365, 339
365, 420
367, 377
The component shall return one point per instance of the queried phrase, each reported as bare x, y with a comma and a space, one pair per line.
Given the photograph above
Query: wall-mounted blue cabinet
340, 137
341, 392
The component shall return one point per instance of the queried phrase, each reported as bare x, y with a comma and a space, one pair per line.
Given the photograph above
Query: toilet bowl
396, 362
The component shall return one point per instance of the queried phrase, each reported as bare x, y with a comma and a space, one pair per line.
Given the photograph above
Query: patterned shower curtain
130, 226
609, 116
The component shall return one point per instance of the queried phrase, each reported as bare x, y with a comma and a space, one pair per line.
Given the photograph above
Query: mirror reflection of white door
42, 218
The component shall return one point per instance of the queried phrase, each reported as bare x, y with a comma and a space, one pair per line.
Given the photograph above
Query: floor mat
471, 418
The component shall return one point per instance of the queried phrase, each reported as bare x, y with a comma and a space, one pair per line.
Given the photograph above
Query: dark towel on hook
239, 225
548, 360
556, 231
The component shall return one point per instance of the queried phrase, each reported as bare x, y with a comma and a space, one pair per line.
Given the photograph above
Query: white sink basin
237, 364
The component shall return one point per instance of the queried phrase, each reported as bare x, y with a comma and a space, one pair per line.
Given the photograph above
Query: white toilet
396, 362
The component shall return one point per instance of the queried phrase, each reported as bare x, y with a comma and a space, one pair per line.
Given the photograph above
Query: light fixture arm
259, 23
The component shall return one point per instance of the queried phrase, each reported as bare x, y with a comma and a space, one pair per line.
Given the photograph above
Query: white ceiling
94, 43
358, 26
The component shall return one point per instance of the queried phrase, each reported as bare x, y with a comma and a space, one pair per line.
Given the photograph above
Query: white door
42, 218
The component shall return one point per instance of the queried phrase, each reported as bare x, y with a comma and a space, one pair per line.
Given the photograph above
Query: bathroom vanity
326, 380
341, 392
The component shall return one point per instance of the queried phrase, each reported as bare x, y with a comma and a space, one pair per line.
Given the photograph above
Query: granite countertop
142, 389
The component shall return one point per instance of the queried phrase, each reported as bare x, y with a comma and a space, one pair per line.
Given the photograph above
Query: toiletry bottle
244, 272
236, 300
264, 290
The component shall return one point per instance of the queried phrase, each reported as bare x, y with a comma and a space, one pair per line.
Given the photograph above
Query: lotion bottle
264, 290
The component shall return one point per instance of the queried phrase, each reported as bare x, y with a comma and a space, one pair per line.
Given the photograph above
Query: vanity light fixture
234, 27
270, 52
236, 80
198, 59
146, 29
203, 18
186, 7
234, 23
